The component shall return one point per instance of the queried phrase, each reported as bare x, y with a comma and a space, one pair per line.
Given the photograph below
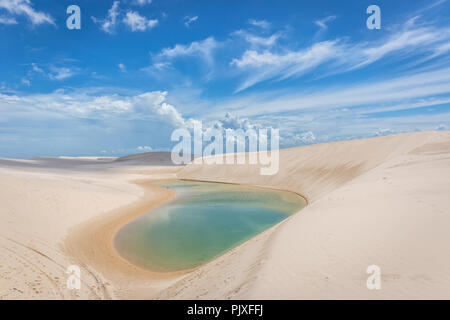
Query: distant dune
381, 201
149, 158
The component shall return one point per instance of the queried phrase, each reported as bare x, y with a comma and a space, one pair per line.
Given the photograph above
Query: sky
139, 69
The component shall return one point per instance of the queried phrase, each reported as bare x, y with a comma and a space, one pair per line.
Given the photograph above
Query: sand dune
149, 158
381, 201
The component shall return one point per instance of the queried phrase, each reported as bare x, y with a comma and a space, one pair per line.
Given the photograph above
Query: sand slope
42, 208
381, 201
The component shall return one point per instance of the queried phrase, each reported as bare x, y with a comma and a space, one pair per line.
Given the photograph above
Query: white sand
381, 201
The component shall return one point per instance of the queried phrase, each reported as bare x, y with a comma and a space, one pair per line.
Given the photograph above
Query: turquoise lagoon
202, 222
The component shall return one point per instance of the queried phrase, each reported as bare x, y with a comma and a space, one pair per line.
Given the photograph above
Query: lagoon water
202, 222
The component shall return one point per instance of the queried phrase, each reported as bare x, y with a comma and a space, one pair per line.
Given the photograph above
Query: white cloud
340, 55
54, 72
7, 20
132, 19
441, 127
136, 22
322, 23
149, 105
202, 48
267, 65
122, 67
188, 20
290, 137
305, 137
308, 57
144, 149
384, 132
24, 8
26, 82
235, 123
109, 23
141, 2
259, 23
36, 68
402, 92
60, 73
255, 40
409, 40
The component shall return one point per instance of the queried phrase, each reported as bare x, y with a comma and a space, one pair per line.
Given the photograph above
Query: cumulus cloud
307, 137
132, 19
136, 22
148, 105
23, 8
235, 123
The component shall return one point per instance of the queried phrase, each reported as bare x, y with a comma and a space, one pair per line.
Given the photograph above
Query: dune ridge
381, 201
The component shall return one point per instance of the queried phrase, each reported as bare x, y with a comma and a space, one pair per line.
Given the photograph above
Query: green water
202, 222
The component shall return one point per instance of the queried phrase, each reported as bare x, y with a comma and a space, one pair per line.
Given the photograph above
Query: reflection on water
202, 222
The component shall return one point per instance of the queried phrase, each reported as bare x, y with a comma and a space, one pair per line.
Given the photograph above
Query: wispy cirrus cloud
61, 73
322, 23
203, 49
412, 90
7, 20
260, 23
188, 20
413, 101
23, 8
341, 55
258, 40
267, 65
108, 24
52, 72
410, 40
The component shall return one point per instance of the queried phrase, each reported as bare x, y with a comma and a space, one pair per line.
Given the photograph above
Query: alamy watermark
73, 22
374, 20
228, 146
74, 279
374, 280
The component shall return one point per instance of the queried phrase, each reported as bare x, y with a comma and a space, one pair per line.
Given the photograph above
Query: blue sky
139, 69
